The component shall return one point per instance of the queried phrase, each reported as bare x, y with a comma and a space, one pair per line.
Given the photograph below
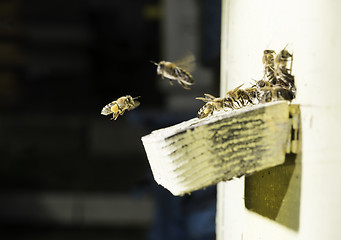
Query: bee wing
184, 84
107, 109
132, 106
203, 99
209, 96
234, 90
136, 104
187, 62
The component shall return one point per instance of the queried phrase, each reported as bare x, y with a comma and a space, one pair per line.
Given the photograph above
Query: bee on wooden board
177, 71
252, 94
206, 110
234, 98
275, 93
212, 104
119, 106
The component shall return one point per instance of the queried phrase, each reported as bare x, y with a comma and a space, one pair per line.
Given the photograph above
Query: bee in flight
119, 106
176, 71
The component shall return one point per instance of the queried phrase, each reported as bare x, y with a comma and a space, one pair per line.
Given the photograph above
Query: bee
212, 104
283, 73
275, 93
119, 106
206, 110
218, 102
235, 98
269, 65
176, 71
252, 95
281, 60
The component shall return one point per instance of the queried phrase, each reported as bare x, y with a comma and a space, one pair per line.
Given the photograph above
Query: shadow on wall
275, 192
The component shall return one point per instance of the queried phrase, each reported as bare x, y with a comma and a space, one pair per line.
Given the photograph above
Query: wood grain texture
201, 152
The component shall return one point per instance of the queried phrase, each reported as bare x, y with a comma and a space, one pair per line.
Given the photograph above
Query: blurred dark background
67, 172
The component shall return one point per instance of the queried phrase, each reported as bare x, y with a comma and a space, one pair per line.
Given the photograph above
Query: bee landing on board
178, 71
119, 106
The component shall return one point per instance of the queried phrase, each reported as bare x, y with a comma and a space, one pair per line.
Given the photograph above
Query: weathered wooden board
201, 152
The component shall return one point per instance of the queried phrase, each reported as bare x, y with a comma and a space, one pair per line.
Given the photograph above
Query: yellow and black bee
235, 98
176, 71
119, 106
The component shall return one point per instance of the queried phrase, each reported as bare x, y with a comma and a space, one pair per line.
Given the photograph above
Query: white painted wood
311, 30
200, 152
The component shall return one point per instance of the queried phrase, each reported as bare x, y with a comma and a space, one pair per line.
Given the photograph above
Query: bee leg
121, 112
183, 85
114, 117
170, 82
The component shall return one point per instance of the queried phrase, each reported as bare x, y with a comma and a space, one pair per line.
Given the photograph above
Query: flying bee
212, 104
269, 65
119, 106
176, 71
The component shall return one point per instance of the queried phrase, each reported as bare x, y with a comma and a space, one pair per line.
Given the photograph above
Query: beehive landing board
201, 152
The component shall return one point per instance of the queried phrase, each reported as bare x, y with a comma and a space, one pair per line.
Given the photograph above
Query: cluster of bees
278, 83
